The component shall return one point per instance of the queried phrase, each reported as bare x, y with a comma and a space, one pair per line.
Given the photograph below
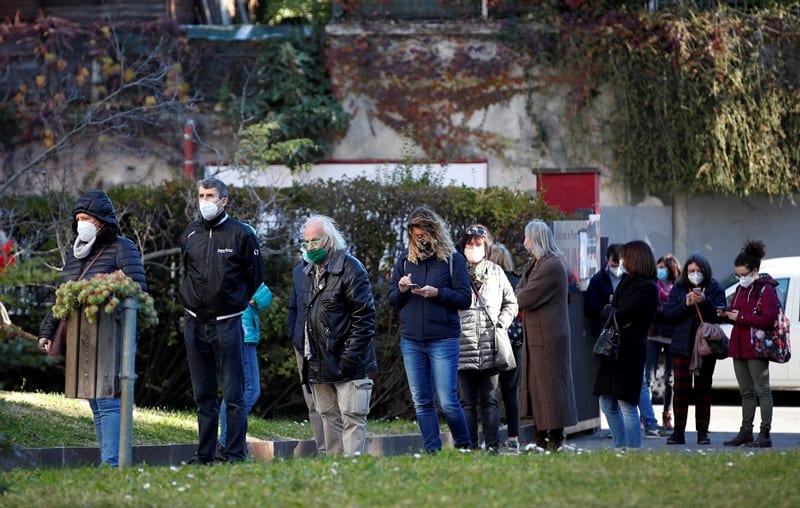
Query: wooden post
92, 359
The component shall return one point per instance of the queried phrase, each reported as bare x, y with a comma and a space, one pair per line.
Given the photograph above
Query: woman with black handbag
618, 382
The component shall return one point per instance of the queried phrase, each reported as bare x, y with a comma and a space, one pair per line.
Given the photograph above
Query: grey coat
546, 389
477, 347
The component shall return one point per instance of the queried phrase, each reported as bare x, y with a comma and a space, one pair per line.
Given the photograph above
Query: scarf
478, 273
81, 249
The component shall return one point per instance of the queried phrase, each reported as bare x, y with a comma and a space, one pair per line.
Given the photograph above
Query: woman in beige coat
546, 388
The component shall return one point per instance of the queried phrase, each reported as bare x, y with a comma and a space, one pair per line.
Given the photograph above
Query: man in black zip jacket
223, 267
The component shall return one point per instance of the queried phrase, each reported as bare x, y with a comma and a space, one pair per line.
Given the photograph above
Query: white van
781, 376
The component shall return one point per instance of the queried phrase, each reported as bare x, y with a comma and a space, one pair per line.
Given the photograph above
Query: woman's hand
426, 292
732, 314
404, 284
44, 344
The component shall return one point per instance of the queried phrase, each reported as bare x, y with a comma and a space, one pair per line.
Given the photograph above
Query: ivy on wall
702, 101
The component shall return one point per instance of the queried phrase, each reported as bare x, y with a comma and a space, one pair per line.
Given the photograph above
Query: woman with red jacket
754, 305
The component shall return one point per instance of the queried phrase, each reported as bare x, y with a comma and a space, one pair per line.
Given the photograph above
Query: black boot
762, 441
541, 439
744, 437
702, 437
677, 437
555, 439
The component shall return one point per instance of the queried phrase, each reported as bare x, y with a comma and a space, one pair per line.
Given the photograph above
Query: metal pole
127, 376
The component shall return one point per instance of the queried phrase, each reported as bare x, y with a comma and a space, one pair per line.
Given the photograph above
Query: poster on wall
580, 242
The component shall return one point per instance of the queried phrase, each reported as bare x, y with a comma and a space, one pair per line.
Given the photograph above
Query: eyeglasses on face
477, 232
742, 276
313, 244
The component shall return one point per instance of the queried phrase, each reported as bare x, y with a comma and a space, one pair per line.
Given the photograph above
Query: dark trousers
689, 387
215, 349
476, 386
509, 390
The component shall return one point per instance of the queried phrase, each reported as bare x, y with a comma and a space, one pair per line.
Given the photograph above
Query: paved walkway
725, 422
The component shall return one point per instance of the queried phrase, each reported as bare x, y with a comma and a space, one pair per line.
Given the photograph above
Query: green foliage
288, 108
700, 102
103, 292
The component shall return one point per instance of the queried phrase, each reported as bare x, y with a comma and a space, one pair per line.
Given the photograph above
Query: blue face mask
661, 273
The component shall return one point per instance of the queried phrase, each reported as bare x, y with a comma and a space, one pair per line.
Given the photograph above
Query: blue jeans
216, 349
480, 386
433, 365
646, 405
623, 420
252, 388
106, 426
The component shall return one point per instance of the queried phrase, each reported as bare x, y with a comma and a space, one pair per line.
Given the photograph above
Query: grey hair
501, 256
542, 239
329, 228
214, 183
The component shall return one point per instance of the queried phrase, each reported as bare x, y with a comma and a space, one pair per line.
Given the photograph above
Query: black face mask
425, 245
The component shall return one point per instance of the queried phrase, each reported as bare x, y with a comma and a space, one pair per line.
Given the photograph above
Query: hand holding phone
412, 286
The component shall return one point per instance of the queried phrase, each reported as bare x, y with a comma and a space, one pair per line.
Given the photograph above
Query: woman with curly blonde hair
429, 285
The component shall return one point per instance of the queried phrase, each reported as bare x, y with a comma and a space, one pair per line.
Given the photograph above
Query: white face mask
86, 230
615, 272
695, 278
747, 281
474, 253
208, 209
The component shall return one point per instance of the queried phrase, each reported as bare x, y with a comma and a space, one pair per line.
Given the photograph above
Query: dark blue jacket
596, 298
685, 320
296, 312
425, 319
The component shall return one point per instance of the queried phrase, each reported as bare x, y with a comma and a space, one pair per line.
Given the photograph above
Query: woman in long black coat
619, 382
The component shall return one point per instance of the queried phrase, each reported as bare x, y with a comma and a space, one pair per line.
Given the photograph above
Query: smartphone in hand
413, 286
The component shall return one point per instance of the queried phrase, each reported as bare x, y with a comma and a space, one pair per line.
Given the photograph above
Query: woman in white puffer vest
493, 303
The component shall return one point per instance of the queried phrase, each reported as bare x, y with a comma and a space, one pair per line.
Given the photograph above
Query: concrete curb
260, 451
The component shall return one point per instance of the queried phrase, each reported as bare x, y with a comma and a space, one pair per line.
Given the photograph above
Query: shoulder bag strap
91, 261
480, 301
697, 308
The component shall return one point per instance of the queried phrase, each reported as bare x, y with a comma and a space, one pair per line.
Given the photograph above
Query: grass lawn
450, 478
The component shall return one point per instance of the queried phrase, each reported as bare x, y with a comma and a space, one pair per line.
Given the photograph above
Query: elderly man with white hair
339, 355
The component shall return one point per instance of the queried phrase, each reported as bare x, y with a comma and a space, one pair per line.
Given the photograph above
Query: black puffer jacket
339, 320
223, 267
121, 253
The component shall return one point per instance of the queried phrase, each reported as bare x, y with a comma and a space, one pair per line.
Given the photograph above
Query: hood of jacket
97, 204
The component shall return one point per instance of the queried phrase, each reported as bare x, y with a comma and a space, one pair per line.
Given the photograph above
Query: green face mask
317, 256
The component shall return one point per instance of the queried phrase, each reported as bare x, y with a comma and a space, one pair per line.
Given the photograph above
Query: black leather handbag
607, 345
